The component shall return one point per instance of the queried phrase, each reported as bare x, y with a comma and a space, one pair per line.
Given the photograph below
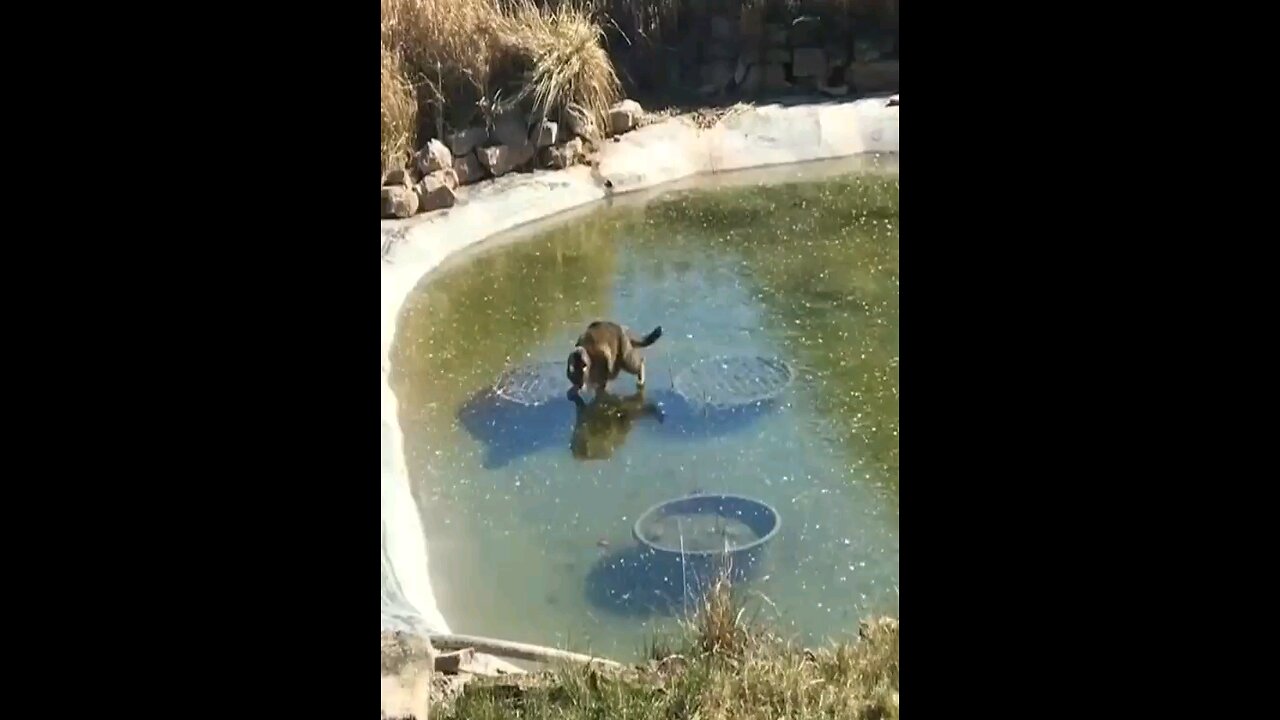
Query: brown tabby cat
604, 351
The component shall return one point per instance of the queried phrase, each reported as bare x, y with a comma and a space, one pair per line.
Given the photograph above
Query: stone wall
713, 51
516, 143
728, 49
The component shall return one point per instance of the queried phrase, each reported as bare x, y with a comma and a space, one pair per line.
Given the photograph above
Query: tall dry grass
725, 669
568, 65
399, 111
468, 58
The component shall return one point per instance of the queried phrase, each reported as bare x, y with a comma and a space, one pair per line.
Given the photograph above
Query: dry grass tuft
399, 112
463, 57
568, 63
460, 58
726, 670
718, 624
445, 51
774, 679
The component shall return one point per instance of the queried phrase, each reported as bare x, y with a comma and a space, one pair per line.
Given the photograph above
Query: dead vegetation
451, 64
721, 668
445, 62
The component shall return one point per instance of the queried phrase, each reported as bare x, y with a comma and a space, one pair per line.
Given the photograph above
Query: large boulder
448, 176
874, 77
463, 142
399, 201
435, 191
780, 56
400, 649
721, 51
837, 55
809, 62
866, 48
562, 156
775, 35
774, 77
468, 169
407, 670
510, 128
723, 27
502, 159
580, 124
626, 115
434, 156
397, 176
715, 76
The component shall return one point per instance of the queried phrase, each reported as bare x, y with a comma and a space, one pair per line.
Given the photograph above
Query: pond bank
651, 157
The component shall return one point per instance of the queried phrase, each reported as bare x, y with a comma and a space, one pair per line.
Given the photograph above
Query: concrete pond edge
648, 158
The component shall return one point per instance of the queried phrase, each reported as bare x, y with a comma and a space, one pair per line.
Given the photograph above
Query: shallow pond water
529, 507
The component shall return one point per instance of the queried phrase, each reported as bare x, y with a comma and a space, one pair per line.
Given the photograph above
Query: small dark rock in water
552, 599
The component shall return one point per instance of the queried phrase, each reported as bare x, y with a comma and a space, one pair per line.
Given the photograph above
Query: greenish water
527, 538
